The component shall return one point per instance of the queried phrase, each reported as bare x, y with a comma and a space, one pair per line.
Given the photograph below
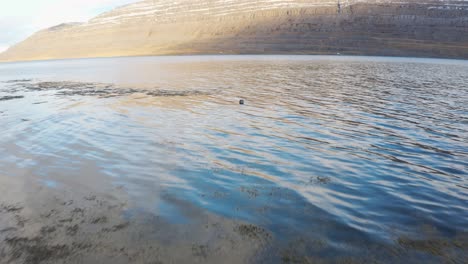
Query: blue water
344, 150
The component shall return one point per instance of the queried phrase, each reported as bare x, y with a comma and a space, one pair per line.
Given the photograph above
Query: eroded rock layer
433, 28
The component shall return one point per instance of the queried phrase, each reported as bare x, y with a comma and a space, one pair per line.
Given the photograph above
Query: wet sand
44, 225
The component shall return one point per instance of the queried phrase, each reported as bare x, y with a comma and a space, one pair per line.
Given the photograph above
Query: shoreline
240, 55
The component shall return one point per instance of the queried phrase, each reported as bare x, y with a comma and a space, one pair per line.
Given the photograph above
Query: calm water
355, 157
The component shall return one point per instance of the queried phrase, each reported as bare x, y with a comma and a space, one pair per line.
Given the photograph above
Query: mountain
430, 28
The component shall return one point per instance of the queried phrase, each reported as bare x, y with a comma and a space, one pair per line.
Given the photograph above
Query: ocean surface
330, 159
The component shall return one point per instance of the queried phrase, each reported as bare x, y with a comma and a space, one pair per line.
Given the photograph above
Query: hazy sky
21, 18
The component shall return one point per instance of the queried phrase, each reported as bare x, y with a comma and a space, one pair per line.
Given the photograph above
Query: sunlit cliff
430, 28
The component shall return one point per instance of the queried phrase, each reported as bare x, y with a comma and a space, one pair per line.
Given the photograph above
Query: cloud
21, 18
3, 48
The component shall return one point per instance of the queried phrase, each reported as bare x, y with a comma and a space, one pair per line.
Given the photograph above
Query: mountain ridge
433, 28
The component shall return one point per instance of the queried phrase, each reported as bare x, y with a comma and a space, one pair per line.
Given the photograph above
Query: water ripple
341, 150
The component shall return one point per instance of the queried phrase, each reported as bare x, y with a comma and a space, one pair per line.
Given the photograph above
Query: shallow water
330, 159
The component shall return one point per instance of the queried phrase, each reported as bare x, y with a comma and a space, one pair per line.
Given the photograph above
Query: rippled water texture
334, 159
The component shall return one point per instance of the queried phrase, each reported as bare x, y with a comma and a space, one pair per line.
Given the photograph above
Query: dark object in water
5, 98
241, 102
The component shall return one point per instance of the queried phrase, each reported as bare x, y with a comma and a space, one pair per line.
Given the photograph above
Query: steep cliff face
435, 28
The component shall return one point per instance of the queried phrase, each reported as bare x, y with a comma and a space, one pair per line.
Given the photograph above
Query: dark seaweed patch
46, 230
18, 81
99, 220
252, 192
169, 93
253, 232
10, 97
434, 246
116, 227
35, 250
320, 180
102, 90
10, 208
72, 230
8, 229
200, 251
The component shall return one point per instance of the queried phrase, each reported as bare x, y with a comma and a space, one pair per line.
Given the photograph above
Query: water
330, 159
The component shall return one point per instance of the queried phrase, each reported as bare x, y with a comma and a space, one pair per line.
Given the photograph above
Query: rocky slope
434, 28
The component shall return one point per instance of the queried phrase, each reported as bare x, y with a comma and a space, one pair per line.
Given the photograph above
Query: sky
21, 18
